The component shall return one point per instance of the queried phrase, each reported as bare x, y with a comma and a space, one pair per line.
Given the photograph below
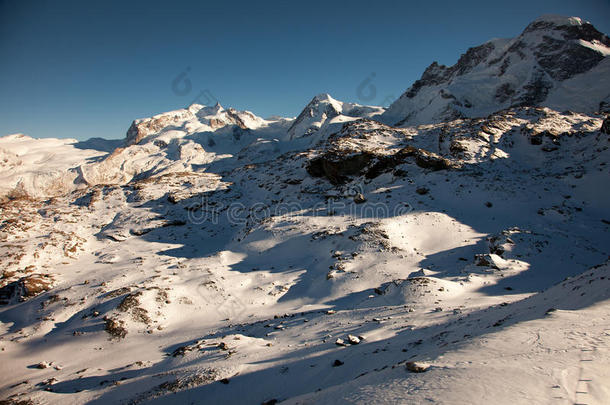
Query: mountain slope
421, 243
322, 110
558, 62
216, 257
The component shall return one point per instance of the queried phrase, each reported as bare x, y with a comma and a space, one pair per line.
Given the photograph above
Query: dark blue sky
84, 69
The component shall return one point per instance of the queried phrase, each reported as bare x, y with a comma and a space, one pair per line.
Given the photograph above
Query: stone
417, 367
606, 126
354, 340
359, 198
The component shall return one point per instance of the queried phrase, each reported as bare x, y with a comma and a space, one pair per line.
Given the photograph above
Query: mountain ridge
215, 256
532, 69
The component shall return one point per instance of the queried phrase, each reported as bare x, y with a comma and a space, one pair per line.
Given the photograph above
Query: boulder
417, 367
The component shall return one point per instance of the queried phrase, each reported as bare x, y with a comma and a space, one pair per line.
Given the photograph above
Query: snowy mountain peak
323, 109
558, 62
558, 20
323, 97
195, 118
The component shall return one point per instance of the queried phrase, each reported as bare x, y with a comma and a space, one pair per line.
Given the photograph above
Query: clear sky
86, 69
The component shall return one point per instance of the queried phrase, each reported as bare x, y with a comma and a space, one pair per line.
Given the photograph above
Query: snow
512, 63
29, 164
582, 92
208, 262
176, 261
560, 20
596, 46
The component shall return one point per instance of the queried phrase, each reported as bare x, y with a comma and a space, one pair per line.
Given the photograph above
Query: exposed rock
606, 126
115, 328
140, 129
26, 287
417, 367
487, 260
359, 198
337, 167
354, 340
436, 74
131, 304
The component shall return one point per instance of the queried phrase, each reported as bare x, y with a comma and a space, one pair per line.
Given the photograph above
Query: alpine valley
453, 248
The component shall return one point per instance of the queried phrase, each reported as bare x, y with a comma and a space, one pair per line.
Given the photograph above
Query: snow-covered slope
177, 141
172, 142
315, 275
29, 165
557, 62
216, 257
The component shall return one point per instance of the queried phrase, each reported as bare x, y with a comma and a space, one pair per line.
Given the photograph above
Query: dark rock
436, 74
337, 167
115, 328
563, 60
160, 143
338, 363
484, 260
25, 288
504, 92
606, 126
535, 91
417, 367
536, 139
359, 198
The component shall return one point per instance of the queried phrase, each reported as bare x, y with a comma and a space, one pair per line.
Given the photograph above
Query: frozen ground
315, 272
217, 257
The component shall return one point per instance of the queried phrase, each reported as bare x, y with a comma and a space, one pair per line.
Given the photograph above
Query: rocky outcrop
436, 74
606, 126
349, 154
140, 129
25, 288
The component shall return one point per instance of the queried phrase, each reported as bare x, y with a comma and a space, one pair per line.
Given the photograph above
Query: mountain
196, 118
323, 110
213, 256
556, 62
